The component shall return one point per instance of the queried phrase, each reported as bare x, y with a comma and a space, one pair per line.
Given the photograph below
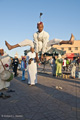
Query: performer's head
1, 51
32, 49
40, 26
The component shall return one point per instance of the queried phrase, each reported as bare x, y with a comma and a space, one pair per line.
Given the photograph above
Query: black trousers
15, 71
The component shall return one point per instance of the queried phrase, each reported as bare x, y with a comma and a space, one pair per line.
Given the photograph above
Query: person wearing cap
15, 65
23, 67
4, 61
41, 41
31, 67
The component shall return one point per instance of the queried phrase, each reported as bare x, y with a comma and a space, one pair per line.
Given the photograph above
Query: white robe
41, 42
32, 69
5, 60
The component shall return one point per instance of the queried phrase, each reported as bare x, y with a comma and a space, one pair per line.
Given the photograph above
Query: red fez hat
39, 23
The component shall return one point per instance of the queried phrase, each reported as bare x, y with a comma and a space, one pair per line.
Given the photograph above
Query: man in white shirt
41, 41
4, 61
31, 67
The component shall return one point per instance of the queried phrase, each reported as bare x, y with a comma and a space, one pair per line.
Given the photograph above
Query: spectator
64, 64
67, 64
31, 67
23, 67
15, 65
5, 62
59, 62
79, 62
73, 70
54, 66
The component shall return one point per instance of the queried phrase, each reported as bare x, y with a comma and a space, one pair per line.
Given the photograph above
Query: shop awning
70, 56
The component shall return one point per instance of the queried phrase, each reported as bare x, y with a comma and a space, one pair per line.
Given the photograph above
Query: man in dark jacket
15, 65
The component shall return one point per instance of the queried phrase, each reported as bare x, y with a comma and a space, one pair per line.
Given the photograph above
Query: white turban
59, 56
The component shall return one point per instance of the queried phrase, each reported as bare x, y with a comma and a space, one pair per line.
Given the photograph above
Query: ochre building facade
75, 48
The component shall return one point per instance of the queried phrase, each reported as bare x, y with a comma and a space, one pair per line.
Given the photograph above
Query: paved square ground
42, 101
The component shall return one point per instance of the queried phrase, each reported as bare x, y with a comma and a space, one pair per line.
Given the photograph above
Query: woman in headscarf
59, 62
23, 67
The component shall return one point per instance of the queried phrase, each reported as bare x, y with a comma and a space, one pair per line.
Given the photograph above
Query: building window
62, 48
76, 48
69, 48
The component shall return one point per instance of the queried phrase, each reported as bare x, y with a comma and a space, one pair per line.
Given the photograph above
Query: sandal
11, 91
5, 96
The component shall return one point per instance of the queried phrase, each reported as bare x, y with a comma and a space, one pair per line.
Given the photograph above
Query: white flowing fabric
26, 42
32, 69
5, 60
41, 42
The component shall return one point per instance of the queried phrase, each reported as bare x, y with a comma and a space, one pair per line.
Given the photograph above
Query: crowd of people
63, 65
41, 43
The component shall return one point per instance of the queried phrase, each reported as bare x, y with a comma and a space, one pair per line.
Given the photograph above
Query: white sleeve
45, 41
35, 42
27, 58
9, 61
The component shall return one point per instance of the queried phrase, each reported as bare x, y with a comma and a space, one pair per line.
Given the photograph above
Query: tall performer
41, 41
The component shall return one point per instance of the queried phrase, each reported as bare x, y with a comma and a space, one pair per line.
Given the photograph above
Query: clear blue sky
18, 20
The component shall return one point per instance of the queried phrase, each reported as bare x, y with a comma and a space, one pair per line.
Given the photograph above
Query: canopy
55, 51
70, 55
